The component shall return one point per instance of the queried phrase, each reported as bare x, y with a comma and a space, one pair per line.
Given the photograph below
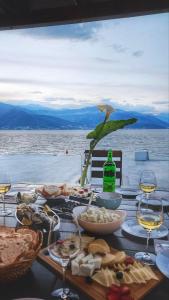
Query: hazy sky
124, 62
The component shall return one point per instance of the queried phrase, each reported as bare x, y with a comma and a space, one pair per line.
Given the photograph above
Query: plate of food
37, 217
99, 220
102, 272
63, 190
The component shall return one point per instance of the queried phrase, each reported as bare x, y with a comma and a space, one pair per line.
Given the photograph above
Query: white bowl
99, 228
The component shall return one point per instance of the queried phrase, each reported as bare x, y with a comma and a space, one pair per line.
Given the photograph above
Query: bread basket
16, 269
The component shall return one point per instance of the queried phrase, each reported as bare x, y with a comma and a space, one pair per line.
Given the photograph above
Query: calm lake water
56, 141
39, 156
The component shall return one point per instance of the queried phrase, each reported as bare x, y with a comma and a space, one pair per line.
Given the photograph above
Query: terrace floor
67, 168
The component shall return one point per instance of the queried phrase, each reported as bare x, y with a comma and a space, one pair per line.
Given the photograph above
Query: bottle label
109, 173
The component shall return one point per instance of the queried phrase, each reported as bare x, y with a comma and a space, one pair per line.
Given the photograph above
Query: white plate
157, 195
162, 262
128, 192
133, 228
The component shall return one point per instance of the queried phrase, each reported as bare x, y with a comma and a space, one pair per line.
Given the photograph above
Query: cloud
36, 92
106, 60
82, 31
165, 101
119, 48
138, 53
21, 81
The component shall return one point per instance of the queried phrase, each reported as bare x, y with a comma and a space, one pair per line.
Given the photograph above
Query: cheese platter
99, 268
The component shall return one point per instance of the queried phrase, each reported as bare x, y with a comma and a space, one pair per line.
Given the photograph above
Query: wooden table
39, 281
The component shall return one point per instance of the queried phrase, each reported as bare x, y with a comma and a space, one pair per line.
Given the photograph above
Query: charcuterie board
94, 290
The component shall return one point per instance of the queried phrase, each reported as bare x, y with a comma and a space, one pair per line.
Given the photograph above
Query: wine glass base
5, 212
65, 293
146, 258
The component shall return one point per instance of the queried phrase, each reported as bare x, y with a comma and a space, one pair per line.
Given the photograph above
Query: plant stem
84, 174
82, 181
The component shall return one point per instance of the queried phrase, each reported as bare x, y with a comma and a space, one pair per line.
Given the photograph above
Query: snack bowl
37, 217
98, 227
16, 262
110, 200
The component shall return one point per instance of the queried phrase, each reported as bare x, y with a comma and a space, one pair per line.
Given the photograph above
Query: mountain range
34, 116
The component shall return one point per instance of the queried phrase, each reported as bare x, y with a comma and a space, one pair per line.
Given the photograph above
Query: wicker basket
16, 270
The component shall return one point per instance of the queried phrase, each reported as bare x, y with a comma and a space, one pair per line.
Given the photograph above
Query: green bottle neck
109, 156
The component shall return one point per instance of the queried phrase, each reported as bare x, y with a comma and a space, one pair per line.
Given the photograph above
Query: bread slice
51, 190
98, 246
120, 257
17, 245
108, 259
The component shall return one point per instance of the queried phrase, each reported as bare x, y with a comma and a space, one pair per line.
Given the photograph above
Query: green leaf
110, 126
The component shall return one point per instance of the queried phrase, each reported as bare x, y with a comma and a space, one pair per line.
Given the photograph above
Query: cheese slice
79, 257
96, 261
74, 267
85, 259
86, 270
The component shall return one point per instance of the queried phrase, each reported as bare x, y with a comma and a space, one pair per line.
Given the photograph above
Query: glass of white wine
150, 218
4, 188
62, 248
148, 182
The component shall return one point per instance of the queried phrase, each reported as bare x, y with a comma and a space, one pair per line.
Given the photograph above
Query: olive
88, 279
119, 275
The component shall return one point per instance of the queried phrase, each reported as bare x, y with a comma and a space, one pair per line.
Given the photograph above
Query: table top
39, 282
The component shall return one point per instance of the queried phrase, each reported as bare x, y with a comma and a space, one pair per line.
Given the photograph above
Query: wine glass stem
147, 196
148, 237
3, 201
64, 274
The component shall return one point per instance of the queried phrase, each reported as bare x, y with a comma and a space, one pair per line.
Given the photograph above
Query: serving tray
94, 290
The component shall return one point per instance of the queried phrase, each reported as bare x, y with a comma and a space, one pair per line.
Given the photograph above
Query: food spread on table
107, 266
36, 216
102, 264
54, 191
17, 245
99, 215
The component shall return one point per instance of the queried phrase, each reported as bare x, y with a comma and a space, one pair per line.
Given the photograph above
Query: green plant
101, 131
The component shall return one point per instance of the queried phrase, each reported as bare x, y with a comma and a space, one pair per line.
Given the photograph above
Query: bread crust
17, 245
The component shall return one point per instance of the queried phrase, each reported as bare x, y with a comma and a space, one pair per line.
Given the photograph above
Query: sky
123, 62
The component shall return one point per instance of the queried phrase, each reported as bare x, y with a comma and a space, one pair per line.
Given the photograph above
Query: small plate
162, 262
157, 195
128, 192
133, 228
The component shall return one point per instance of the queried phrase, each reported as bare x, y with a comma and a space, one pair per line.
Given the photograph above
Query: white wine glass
150, 218
66, 246
148, 182
5, 186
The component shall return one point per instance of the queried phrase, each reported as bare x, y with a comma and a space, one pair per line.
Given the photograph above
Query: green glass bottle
109, 174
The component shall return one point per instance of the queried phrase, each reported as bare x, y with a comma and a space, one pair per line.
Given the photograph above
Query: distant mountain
89, 117
163, 117
40, 117
4, 108
17, 118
